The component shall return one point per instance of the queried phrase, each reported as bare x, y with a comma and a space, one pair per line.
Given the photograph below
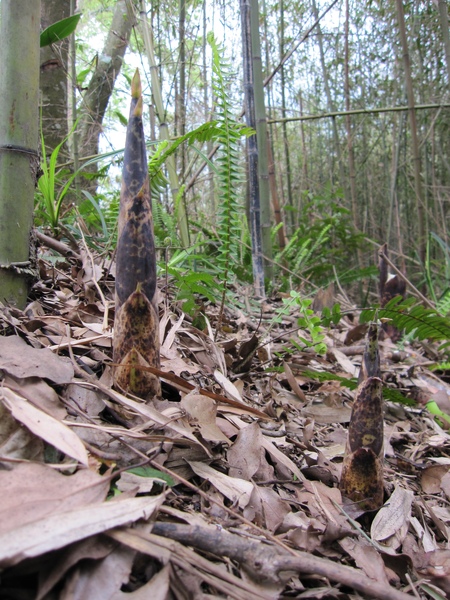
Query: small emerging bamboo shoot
362, 470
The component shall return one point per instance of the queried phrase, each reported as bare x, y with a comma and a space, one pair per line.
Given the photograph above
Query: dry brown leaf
21, 360
247, 456
101, 578
327, 414
170, 336
41, 491
236, 490
293, 383
266, 508
178, 366
203, 411
44, 426
39, 393
61, 529
149, 413
16, 441
431, 478
391, 517
366, 557
50, 574
345, 363
276, 454
229, 387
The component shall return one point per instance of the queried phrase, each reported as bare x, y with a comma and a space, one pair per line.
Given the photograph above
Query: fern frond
421, 322
390, 394
443, 305
229, 161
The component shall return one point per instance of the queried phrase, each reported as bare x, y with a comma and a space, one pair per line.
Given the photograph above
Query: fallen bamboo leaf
21, 360
393, 515
44, 426
203, 411
61, 529
183, 385
236, 490
43, 491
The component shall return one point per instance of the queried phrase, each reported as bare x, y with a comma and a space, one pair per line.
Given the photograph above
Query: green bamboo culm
19, 138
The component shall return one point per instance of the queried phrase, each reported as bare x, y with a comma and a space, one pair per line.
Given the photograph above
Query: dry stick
267, 563
406, 280
104, 301
190, 561
60, 247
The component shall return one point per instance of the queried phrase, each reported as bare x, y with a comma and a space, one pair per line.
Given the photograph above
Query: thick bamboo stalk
261, 139
19, 95
252, 152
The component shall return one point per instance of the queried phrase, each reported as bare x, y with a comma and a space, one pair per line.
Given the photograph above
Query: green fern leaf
417, 320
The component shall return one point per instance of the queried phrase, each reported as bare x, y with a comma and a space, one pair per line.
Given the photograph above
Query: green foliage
307, 321
229, 162
192, 286
415, 319
51, 190
59, 30
153, 474
390, 394
325, 238
437, 270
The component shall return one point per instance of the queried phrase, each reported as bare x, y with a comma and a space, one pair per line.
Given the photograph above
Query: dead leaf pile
228, 487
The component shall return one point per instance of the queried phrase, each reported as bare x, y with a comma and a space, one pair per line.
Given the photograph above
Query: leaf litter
227, 487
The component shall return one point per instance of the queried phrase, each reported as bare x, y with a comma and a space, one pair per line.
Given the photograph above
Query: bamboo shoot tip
136, 87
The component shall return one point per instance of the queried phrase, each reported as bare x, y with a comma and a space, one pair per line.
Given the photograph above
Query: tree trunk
53, 79
351, 156
101, 85
19, 97
443, 16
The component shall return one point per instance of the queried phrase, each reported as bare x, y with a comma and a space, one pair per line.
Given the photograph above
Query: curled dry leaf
362, 470
236, 490
203, 412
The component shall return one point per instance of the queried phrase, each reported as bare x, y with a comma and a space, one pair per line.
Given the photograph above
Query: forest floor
228, 486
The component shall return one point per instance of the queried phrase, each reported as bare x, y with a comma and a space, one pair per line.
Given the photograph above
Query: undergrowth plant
229, 164
309, 322
51, 191
414, 319
323, 241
